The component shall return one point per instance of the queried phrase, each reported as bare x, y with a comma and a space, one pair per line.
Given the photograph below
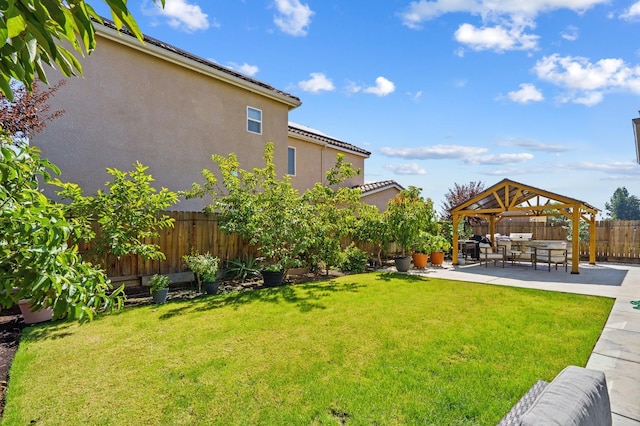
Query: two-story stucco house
171, 111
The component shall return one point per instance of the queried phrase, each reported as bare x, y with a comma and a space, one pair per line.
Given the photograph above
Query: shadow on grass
53, 331
388, 276
306, 297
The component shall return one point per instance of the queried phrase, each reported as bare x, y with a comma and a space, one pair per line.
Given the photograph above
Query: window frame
292, 149
253, 120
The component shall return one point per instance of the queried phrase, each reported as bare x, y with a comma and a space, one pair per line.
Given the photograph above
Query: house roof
508, 197
318, 136
373, 187
173, 54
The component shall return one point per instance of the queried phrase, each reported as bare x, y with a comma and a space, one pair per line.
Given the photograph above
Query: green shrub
158, 282
353, 260
242, 268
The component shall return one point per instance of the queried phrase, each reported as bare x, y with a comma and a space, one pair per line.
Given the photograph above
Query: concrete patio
617, 352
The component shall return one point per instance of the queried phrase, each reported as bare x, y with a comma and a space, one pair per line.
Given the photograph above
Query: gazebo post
492, 229
454, 242
575, 239
592, 239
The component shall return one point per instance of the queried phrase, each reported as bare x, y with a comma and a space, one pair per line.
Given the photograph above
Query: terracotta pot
34, 317
437, 258
420, 260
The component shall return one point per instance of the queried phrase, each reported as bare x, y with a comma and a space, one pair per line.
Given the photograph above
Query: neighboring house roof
180, 57
317, 136
373, 187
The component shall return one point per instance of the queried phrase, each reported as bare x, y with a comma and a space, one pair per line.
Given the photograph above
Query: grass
358, 350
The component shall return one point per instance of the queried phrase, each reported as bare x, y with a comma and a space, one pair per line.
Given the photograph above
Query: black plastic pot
211, 287
273, 279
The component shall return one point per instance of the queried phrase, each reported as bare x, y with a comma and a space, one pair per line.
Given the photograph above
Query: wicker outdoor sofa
577, 397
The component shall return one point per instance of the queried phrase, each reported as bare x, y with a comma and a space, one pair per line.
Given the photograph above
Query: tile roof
155, 42
378, 186
302, 130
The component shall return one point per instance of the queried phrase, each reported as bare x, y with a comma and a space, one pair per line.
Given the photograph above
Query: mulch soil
12, 323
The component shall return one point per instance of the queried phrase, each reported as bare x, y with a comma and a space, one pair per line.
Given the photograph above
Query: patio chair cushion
577, 396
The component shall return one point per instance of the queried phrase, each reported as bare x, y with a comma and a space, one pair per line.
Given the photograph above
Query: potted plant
421, 250
34, 316
439, 245
273, 275
408, 215
205, 268
159, 288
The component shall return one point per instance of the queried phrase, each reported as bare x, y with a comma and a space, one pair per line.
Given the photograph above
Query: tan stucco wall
380, 198
313, 160
131, 106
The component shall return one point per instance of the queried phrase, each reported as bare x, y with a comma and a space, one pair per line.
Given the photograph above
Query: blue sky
442, 91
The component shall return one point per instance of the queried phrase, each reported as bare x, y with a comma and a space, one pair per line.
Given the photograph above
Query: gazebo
513, 199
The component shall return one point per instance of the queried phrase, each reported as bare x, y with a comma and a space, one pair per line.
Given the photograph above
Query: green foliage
422, 244
623, 206
407, 215
439, 243
204, 267
333, 215
353, 259
158, 282
267, 211
583, 233
126, 216
242, 268
34, 32
36, 261
371, 227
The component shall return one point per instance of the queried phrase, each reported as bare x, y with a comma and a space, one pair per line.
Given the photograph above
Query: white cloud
424, 10
497, 159
383, 87
527, 93
570, 33
294, 17
406, 169
353, 87
586, 82
180, 15
632, 13
503, 21
317, 83
533, 145
433, 152
498, 38
245, 68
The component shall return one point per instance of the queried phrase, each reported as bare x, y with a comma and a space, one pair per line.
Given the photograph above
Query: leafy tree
36, 261
126, 216
28, 113
458, 195
623, 206
408, 215
333, 214
259, 207
34, 32
371, 227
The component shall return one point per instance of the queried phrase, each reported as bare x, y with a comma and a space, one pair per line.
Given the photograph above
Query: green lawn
358, 350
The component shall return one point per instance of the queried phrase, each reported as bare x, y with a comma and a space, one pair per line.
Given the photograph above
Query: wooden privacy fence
191, 231
616, 240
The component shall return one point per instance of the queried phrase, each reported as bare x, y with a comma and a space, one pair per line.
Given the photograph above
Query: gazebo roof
510, 198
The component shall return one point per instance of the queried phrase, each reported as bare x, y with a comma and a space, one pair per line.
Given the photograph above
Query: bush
158, 282
242, 268
353, 260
